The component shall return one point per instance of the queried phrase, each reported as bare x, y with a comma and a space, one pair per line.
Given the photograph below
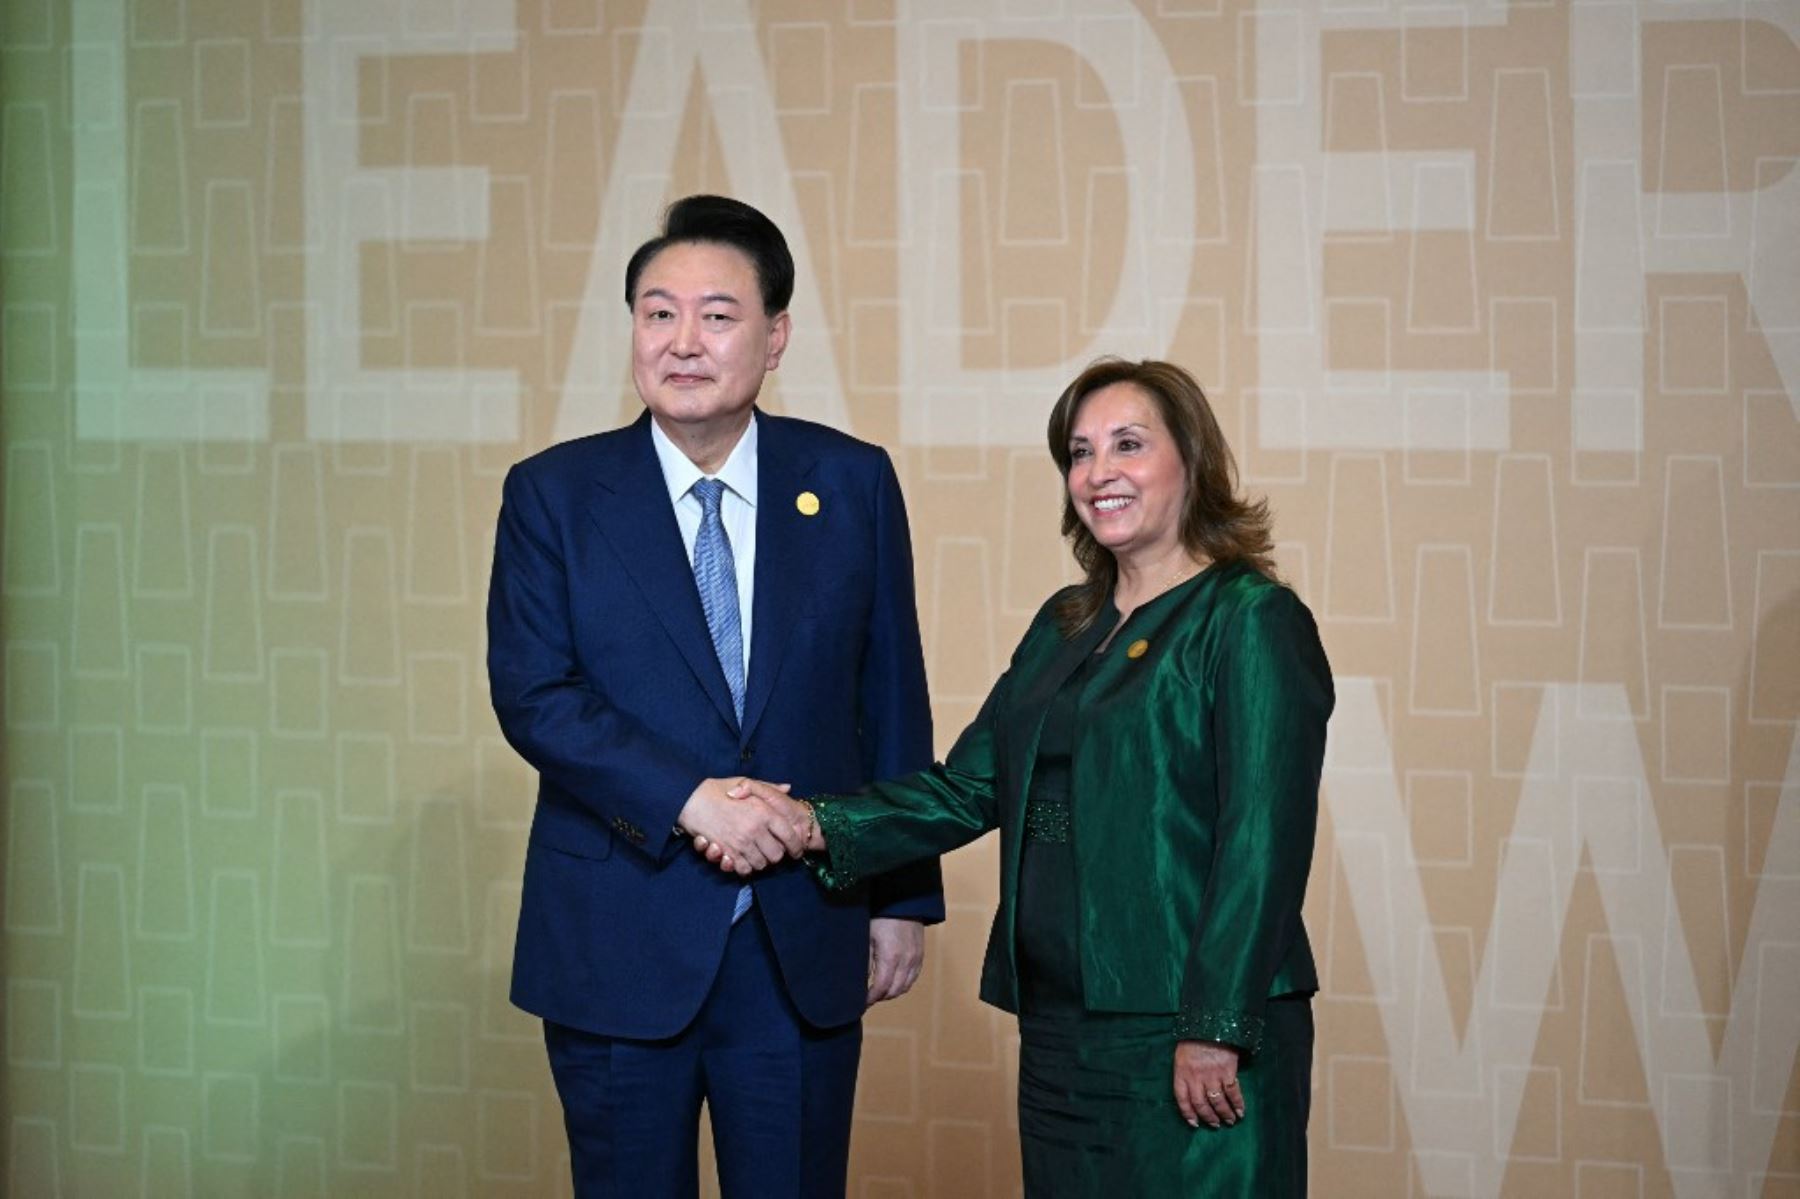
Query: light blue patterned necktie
715, 573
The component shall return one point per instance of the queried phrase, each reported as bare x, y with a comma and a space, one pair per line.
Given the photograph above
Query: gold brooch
808, 503
1137, 649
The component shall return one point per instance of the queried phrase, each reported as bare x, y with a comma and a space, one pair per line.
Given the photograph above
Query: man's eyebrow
711, 297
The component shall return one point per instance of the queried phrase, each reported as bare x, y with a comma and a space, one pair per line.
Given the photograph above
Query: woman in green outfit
1151, 758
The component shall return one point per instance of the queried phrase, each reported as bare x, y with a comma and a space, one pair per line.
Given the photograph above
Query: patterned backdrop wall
1499, 303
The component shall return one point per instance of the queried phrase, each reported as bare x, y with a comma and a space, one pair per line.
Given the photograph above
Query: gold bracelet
812, 819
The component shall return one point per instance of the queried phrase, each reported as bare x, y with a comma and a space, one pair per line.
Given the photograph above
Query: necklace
1186, 570
1182, 573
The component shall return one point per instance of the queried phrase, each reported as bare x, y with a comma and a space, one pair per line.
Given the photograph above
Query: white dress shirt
737, 510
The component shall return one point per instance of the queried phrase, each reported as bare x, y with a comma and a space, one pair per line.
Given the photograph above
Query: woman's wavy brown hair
1215, 520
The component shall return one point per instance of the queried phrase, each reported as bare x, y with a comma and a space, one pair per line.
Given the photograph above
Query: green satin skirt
1097, 1114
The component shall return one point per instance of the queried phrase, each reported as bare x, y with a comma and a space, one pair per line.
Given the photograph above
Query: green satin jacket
1195, 780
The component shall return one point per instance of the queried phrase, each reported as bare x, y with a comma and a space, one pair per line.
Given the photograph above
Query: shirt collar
680, 473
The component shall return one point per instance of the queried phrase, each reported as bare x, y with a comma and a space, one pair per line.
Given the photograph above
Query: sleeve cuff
1242, 1030
836, 867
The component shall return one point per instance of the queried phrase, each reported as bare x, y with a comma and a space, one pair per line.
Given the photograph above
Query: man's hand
896, 955
1206, 1083
742, 835
798, 810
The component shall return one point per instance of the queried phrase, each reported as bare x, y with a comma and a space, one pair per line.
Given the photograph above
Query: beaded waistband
1047, 819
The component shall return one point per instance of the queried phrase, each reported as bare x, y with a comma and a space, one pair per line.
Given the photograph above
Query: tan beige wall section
1499, 303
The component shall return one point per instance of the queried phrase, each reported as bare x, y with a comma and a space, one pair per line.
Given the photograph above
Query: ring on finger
1215, 1094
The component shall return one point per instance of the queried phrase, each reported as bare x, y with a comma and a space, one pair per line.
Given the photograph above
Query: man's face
700, 340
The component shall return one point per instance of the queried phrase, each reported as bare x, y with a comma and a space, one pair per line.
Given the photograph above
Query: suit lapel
784, 559
631, 507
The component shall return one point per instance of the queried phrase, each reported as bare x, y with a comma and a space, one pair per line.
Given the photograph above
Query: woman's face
1126, 476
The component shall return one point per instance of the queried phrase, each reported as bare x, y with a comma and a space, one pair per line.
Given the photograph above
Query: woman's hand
749, 834
1206, 1084
780, 810
799, 811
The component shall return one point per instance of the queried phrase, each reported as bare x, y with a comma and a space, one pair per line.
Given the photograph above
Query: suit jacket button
746, 754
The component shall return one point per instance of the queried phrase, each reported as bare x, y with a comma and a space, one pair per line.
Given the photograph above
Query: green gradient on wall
286, 286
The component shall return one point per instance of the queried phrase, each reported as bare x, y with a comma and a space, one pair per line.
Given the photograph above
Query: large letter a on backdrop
719, 39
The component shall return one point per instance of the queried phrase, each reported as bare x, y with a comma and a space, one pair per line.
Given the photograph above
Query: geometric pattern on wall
1498, 303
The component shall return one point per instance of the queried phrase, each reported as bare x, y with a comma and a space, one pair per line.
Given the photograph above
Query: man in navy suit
707, 593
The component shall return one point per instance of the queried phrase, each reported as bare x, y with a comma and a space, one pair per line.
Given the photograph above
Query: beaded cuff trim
836, 867
1241, 1029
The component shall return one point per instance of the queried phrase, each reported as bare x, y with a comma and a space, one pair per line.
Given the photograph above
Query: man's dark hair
720, 220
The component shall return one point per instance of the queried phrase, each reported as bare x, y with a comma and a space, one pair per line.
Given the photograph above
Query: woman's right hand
797, 813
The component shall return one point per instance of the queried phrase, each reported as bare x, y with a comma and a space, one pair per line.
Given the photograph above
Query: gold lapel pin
1137, 649
808, 503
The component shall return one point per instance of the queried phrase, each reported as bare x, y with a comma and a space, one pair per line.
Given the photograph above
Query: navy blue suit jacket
604, 678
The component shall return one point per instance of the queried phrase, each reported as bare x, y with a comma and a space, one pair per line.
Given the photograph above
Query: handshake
744, 825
